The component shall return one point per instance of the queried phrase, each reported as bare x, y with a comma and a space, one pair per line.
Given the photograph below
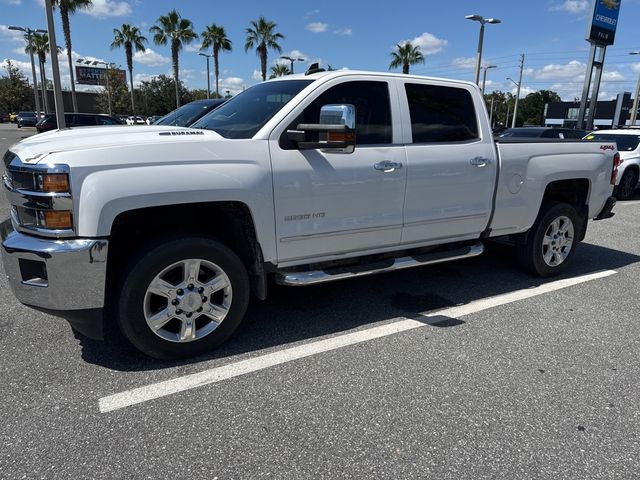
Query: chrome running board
301, 279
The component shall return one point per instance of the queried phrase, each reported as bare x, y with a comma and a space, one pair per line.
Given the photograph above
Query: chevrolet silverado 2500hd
306, 179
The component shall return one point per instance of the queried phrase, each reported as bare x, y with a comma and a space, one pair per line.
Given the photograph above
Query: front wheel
183, 297
551, 243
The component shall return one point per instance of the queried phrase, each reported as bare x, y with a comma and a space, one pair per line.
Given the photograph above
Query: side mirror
336, 131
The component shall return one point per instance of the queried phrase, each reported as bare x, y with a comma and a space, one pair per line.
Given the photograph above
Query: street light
208, 74
108, 66
515, 108
634, 113
484, 78
483, 21
292, 60
30, 32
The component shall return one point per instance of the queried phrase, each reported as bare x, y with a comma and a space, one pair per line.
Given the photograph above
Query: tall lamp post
208, 74
30, 32
291, 61
634, 112
482, 21
484, 77
515, 108
108, 66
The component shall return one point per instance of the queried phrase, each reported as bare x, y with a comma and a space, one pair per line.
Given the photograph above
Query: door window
441, 114
373, 110
84, 120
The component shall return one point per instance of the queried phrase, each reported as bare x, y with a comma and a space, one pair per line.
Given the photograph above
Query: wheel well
229, 222
574, 192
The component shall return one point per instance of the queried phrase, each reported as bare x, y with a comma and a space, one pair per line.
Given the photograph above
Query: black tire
144, 267
530, 251
628, 184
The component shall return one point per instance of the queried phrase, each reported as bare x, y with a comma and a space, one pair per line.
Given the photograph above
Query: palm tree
263, 36
216, 37
69, 7
406, 55
40, 47
129, 37
279, 70
174, 29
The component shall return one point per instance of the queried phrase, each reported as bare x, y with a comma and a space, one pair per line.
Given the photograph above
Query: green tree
40, 47
176, 31
262, 35
69, 7
15, 92
154, 97
215, 37
279, 70
130, 38
531, 108
406, 55
117, 90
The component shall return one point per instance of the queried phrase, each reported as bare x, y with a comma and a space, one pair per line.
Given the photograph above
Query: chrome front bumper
63, 275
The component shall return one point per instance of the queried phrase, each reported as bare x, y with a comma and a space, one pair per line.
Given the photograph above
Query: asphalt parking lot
467, 370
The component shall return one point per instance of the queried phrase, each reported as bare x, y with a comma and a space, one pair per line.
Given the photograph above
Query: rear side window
107, 121
84, 120
441, 114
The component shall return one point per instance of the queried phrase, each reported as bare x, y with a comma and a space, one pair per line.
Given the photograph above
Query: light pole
483, 21
292, 60
30, 32
208, 74
107, 66
515, 108
55, 67
634, 112
484, 77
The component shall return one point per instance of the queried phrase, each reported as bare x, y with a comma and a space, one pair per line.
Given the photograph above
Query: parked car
628, 142
131, 120
305, 180
27, 119
543, 132
153, 119
187, 114
50, 122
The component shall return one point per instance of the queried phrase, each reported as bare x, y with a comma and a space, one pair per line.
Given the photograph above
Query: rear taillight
616, 165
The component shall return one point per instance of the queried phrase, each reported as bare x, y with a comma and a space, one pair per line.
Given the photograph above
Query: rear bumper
55, 275
607, 209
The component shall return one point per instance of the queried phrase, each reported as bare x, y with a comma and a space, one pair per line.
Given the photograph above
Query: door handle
388, 166
480, 162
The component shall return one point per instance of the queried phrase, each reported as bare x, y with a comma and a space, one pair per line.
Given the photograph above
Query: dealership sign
95, 76
602, 28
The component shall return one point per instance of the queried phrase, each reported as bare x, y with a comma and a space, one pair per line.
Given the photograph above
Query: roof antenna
314, 68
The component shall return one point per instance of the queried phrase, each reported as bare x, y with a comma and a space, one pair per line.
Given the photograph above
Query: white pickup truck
306, 179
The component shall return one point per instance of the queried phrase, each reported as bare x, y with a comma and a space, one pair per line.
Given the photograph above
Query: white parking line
243, 367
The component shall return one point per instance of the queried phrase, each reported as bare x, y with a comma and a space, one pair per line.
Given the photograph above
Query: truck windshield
626, 143
249, 111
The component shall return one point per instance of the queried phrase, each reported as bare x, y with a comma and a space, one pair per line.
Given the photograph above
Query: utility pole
519, 85
55, 67
208, 74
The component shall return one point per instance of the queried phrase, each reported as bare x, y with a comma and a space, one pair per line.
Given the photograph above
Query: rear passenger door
451, 163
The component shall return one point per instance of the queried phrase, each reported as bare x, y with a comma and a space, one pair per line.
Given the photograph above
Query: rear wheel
628, 184
551, 243
183, 297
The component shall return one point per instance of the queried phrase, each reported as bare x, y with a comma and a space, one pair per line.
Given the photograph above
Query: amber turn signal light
57, 220
55, 182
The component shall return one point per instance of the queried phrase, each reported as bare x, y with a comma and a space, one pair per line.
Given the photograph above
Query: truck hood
37, 147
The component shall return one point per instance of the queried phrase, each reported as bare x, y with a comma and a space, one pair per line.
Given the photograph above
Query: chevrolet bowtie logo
611, 4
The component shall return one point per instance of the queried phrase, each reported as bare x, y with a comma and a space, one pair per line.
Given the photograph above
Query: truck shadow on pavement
291, 315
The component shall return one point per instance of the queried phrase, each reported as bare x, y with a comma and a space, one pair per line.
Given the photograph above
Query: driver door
331, 204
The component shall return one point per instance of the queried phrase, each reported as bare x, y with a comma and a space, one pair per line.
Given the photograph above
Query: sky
357, 35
